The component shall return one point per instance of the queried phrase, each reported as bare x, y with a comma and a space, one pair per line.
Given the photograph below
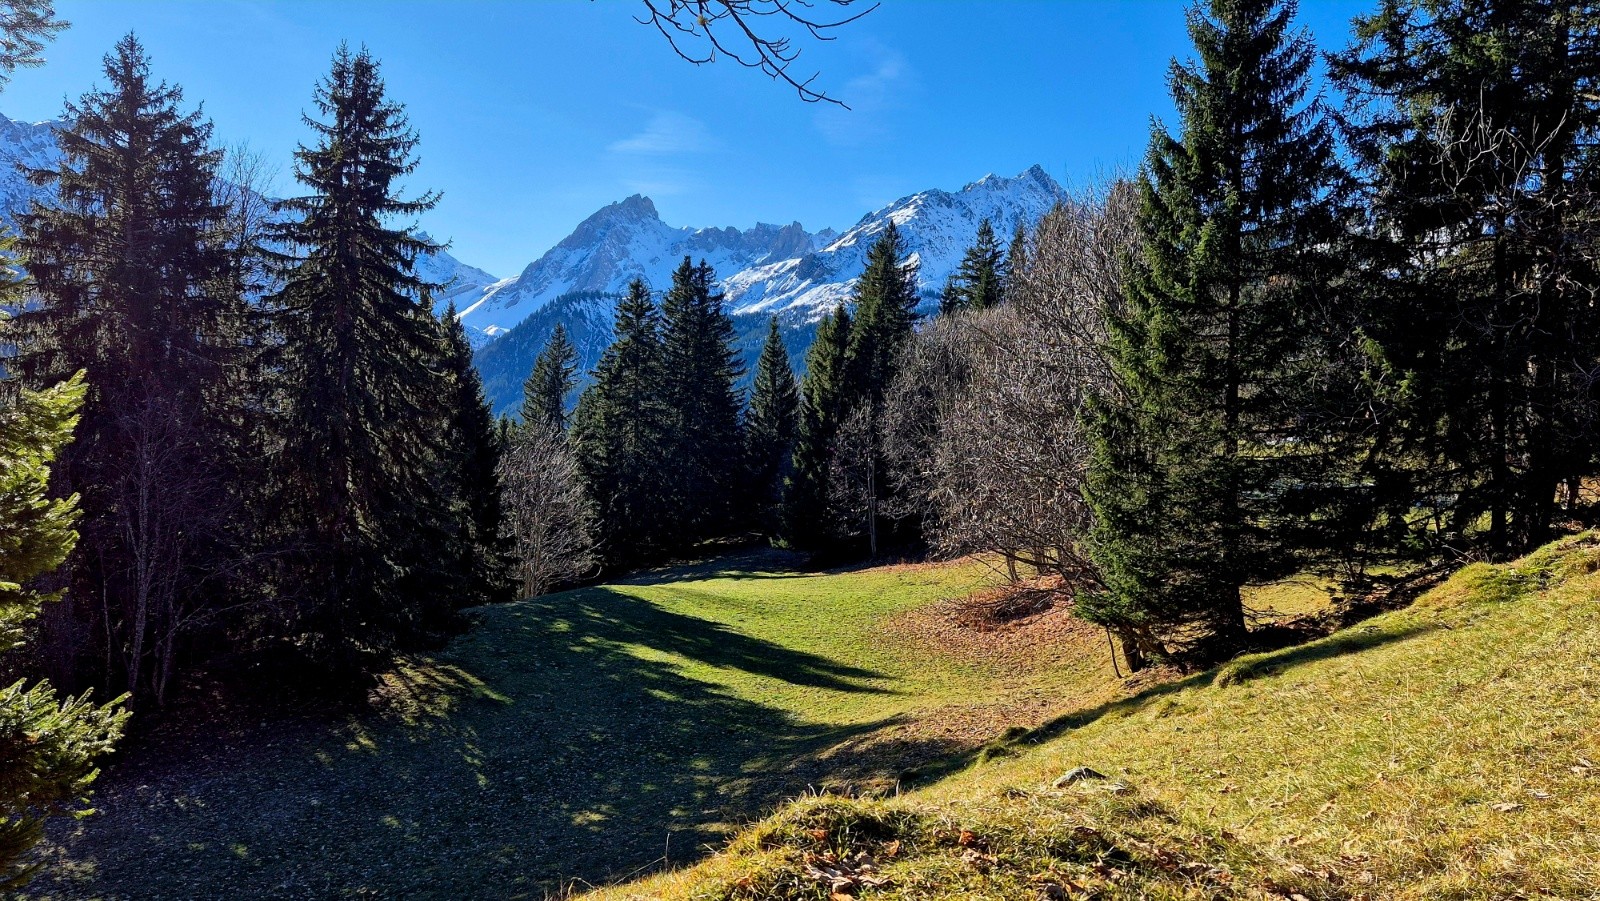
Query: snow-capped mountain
624, 241
768, 268
33, 145
938, 226
763, 271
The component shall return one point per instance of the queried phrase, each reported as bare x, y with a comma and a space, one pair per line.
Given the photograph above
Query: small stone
1077, 774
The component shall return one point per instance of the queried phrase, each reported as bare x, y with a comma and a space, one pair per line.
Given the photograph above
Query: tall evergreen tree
472, 451
47, 745
1015, 264
544, 394
701, 367
978, 283
886, 314
770, 428
1191, 459
1475, 125
361, 493
134, 290
619, 432
822, 410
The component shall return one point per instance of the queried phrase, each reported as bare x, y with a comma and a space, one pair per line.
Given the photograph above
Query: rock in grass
1077, 774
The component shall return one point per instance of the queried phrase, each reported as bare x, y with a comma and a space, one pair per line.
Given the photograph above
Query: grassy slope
1444, 751
576, 736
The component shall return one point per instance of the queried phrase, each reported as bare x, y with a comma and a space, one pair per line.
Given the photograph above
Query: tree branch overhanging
699, 32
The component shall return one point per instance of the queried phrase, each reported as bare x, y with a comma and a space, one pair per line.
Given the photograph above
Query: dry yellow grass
1446, 751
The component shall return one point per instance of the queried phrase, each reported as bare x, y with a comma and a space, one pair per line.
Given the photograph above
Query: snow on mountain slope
33, 144
30, 144
624, 241
796, 276
938, 226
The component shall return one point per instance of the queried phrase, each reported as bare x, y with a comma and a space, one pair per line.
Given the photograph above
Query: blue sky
534, 114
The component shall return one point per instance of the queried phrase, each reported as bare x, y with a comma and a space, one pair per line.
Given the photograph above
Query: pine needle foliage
1193, 451
544, 394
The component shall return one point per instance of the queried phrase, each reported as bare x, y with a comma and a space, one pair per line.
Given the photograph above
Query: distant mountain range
766, 270
781, 270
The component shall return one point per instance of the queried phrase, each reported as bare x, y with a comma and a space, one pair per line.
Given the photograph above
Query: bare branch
697, 30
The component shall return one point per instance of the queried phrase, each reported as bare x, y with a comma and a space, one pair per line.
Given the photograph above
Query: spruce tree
359, 475
619, 432
544, 394
472, 450
701, 367
1192, 458
822, 409
770, 428
47, 745
134, 290
978, 282
1474, 125
885, 316
1015, 264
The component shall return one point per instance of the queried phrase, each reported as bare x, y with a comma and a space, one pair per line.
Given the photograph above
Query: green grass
1446, 751
579, 736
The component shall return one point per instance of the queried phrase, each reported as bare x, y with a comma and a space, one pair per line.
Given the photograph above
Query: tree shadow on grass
555, 742
1243, 669
753, 563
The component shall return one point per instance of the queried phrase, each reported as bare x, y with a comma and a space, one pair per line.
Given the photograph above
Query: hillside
1444, 751
584, 736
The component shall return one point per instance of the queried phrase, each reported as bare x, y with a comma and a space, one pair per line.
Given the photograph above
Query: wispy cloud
869, 96
667, 133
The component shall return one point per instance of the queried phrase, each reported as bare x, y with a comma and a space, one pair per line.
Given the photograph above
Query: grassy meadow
582, 736
1444, 751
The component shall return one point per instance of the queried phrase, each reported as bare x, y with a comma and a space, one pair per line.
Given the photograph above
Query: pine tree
134, 290
1475, 126
1191, 460
361, 493
770, 428
978, 282
701, 367
619, 431
544, 394
822, 409
473, 451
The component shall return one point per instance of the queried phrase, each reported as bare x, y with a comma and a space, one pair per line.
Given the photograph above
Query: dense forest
1349, 331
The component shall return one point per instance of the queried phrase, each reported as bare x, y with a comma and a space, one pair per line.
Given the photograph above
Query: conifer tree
472, 449
977, 283
886, 313
770, 427
822, 410
361, 493
134, 290
47, 745
544, 394
701, 367
1475, 125
619, 431
1016, 262
1190, 460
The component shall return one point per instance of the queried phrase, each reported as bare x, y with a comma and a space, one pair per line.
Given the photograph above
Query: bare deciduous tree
547, 515
983, 429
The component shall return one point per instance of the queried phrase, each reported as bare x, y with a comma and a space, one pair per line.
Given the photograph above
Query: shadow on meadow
554, 742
